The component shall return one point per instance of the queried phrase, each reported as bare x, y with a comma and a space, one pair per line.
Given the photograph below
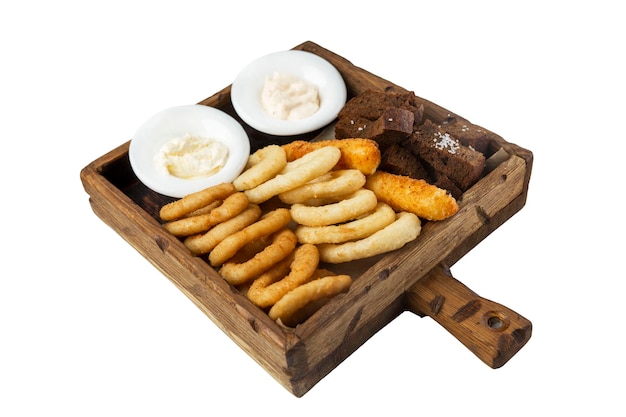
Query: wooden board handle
491, 331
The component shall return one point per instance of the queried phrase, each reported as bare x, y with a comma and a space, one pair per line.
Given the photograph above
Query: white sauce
190, 157
289, 98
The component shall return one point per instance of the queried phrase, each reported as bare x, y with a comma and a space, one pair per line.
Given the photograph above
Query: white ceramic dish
247, 86
197, 120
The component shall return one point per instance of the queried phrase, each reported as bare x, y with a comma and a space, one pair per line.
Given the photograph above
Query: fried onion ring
270, 287
230, 207
332, 184
382, 216
268, 224
349, 208
404, 229
283, 243
287, 308
204, 243
262, 166
296, 173
194, 201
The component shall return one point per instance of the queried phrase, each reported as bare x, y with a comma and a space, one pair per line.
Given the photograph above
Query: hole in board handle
496, 321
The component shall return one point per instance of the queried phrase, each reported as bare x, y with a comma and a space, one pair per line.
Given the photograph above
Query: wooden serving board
415, 278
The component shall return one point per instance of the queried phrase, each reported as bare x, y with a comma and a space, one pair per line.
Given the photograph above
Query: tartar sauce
289, 98
190, 157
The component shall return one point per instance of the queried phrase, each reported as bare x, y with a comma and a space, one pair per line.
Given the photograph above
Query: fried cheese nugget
356, 153
415, 196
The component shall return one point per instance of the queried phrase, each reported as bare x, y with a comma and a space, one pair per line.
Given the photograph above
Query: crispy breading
296, 173
356, 153
415, 196
405, 228
289, 308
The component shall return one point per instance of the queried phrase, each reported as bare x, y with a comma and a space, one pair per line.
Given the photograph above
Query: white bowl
246, 91
197, 120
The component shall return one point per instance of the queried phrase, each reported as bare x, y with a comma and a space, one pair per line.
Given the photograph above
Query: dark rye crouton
446, 155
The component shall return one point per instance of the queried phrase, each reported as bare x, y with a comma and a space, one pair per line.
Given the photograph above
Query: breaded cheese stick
415, 196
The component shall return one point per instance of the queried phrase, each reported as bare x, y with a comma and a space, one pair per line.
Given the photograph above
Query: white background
89, 327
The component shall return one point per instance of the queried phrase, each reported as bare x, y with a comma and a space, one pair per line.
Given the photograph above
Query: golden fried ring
266, 225
349, 208
271, 286
356, 153
205, 209
296, 173
277, 271
204, 243
232, 205
332, 184
248, 251
287, 307
283, 243
194, 201
404, 229
382, 216
262, 166
312, 306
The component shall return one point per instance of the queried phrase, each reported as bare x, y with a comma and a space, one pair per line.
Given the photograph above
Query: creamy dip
190, 157
289, 98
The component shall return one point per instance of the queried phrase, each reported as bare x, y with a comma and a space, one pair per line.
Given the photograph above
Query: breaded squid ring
271, 286
332, 184
286, 309
404, 229
266, 225
283, 243
194, 201
204, 243
349, 208
230, 207
311, 306
382, 216
205, 209
296, 173
262, 166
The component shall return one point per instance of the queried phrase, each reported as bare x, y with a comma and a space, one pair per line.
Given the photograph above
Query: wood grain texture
299, 358
490, 330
